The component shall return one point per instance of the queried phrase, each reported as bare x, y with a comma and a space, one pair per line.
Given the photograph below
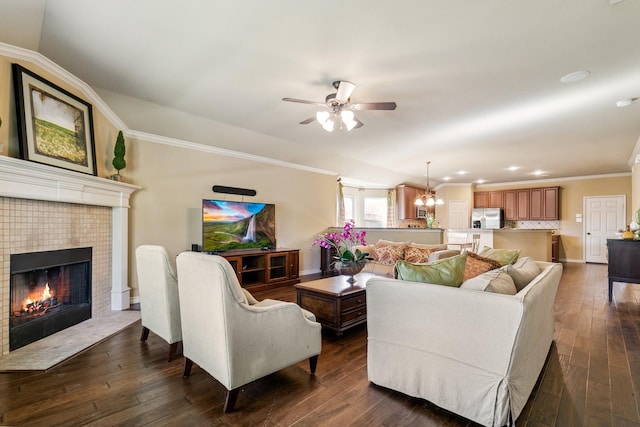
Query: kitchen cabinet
488, 199
543, 204
522, 204
550, 197
495, 199
536, 200
481, 199
406, 201
510, 205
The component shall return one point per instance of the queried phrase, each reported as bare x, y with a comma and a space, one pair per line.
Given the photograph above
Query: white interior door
604, 216
459, 217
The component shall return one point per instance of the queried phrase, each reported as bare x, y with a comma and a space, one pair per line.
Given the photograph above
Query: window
375, 212
366, 207
349, 213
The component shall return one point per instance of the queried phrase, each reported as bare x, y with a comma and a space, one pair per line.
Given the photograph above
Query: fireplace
49, 291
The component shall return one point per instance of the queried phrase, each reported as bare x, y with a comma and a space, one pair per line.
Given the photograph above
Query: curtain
340, 193
391, 208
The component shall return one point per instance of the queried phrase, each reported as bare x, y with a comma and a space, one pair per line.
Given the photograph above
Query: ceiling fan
339, 113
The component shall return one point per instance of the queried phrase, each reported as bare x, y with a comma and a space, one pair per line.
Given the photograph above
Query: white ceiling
477, 83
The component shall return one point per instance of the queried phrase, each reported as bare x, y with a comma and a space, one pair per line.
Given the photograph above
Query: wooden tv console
260, 269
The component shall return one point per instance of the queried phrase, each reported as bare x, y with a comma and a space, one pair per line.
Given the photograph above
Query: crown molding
552, 180
179, 143
45, 63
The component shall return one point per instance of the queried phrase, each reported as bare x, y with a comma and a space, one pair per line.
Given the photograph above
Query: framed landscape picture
55, 127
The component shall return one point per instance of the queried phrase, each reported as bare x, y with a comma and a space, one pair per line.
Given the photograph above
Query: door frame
584, 217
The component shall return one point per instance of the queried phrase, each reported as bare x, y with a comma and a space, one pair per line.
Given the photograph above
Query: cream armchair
158, 287
233, 337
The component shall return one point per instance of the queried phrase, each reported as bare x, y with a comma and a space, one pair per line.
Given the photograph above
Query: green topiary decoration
118, 152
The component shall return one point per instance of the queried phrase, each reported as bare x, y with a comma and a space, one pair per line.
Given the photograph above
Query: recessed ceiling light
481, 181
539, 173
446, 178
626, 102
576, 76
462, 172
513, 168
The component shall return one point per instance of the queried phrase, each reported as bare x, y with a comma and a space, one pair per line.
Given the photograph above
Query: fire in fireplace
50, 291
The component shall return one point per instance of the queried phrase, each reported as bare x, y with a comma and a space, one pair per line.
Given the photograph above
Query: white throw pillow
522, 272
497, 281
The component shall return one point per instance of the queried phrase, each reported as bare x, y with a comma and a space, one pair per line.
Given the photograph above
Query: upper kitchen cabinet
488, 199
522, 204
516, 205
406, 201
481, 199
510, 205
543, 203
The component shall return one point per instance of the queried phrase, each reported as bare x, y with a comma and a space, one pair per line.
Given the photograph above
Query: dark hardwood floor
591, 378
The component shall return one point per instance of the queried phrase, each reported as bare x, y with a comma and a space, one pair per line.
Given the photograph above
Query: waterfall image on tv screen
237, 225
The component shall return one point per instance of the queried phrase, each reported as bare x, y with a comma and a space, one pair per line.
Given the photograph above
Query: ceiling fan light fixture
328, 125
347, 116
350, 124
322, 116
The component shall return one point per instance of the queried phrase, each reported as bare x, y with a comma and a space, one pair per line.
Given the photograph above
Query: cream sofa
477, 354
440, 251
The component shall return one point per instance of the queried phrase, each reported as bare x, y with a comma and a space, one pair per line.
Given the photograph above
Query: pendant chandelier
429, 197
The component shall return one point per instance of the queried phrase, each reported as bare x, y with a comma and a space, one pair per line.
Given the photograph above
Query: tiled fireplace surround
44, 208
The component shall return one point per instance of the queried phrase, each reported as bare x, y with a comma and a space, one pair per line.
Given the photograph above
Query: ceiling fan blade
307, 121
303, 101
375, 106
345, 89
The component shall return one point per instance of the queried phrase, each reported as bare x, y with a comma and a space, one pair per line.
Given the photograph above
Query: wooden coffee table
337, 304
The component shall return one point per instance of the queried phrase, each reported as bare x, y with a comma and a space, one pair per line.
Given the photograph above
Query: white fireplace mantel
29, 180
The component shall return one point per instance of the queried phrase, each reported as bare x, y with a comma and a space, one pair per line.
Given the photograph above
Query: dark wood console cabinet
623, 262
258, 269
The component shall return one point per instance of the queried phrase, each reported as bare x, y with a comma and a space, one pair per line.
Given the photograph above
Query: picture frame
55, 127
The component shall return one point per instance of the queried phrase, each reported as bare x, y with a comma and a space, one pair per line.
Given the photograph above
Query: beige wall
174, 180
449, 193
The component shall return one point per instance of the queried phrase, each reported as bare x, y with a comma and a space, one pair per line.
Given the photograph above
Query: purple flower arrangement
344, 243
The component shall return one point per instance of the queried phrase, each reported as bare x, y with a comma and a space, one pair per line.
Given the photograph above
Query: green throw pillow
448, 271
503, 256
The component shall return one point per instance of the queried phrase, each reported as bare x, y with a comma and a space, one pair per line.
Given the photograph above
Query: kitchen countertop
508, 230
412, 229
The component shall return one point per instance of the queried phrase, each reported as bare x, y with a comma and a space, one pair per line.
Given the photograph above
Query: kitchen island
432, 236
532, 243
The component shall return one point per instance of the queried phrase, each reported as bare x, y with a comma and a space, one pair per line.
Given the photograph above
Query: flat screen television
230, 225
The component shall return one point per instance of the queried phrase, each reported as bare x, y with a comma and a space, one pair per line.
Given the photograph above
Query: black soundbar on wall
234, 190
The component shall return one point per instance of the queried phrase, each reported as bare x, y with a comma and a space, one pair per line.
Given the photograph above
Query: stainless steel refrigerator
487, 218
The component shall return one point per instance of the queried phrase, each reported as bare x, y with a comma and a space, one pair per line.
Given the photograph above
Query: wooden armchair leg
313, 362
145, 334
173, 348
230, 401
188, 364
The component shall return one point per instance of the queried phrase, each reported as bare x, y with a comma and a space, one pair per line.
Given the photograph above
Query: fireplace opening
50, 291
